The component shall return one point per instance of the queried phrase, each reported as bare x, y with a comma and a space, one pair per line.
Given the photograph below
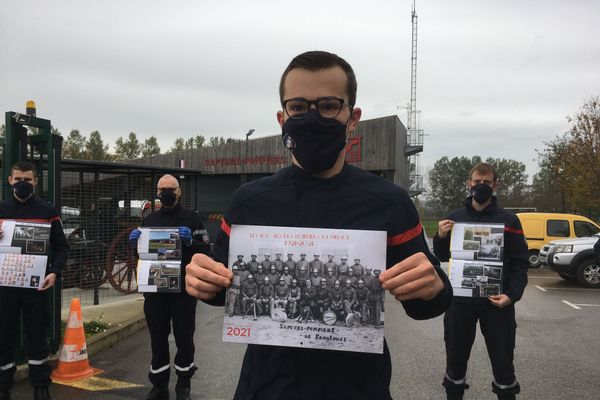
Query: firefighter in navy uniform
252, 266
266, 293
162, 309
240, 261
318, 92
496, 314
26, 206
294, 297
323, 297
336, 298
278, 263
362, 300
291, 264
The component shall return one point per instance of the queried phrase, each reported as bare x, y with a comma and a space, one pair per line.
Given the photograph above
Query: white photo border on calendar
349, 327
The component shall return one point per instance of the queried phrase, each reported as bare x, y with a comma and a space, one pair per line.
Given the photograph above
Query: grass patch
431, 227
97, 325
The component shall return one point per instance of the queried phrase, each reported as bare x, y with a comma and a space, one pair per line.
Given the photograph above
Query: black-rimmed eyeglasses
328, 107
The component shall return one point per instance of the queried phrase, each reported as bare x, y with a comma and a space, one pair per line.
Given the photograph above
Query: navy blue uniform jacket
353, 199
38, 210
515, 263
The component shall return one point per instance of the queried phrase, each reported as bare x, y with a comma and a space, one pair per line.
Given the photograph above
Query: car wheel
534, 259
567, 277
588, 273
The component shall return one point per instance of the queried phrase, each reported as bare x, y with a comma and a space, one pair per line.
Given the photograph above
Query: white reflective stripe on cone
457, 382
38, 362
499, 386
159, 370
183, 369
7, 366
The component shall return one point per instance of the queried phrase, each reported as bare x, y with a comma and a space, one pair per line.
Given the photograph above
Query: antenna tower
414, 136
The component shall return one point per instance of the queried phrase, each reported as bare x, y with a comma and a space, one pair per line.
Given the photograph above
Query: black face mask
23, 190
481, 192
315, 141
168, 198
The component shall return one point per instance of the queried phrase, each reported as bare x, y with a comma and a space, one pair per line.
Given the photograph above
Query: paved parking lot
558, 350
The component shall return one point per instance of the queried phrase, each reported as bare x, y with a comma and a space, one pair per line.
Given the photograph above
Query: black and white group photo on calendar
487, 242
303, 287
475, 267
483, 280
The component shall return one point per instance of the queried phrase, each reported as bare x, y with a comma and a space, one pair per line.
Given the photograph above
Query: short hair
316, 61
23, 166
483, 169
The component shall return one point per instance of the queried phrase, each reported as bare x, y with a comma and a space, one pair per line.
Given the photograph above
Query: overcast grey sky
494, 78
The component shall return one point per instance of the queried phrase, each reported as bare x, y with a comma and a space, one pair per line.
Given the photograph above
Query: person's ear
353, 121
280, 118
35, 181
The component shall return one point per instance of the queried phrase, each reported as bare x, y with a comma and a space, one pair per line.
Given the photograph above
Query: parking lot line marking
566, 288
571, 305
541, 288
541, 277
588, 305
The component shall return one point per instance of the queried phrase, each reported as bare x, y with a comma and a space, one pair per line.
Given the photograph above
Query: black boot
507, 397
182, 393
5, 395
158, 394
455, 395
41, 393
182, 389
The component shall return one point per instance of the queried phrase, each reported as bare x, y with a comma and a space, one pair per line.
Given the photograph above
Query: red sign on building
353, 149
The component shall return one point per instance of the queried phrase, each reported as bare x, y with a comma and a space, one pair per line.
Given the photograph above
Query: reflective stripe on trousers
38, 362
456, 382
183, 369
503, 387
159, 370
7, 366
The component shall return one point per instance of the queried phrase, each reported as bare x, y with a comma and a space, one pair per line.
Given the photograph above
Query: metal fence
101, 204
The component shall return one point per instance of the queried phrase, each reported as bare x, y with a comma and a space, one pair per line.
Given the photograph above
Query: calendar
23, 253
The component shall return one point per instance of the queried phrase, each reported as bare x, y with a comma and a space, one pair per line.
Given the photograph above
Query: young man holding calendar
318, 95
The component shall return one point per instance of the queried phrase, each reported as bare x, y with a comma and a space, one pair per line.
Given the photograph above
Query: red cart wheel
121, 264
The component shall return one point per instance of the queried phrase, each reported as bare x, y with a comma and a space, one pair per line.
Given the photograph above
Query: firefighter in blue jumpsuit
162, 309
25, 205
318, 93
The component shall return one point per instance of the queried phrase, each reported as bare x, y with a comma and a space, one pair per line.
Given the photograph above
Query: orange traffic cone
73, 360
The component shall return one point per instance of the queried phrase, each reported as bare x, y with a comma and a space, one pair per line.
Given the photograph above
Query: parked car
542, 228
573, 260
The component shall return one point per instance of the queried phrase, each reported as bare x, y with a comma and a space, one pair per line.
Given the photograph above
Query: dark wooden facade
378, 145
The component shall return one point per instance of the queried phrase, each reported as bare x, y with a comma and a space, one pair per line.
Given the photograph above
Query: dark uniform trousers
498, 328
36, 317
160, 309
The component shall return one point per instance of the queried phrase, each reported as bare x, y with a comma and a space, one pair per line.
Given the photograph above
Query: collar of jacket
304, 180
29, 200
489, 208
171, 210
